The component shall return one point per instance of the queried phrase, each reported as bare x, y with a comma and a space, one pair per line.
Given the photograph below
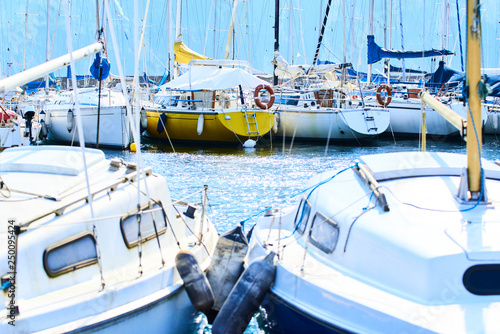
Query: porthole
324, 233
152, 221
70, 254
483, 280
302, 216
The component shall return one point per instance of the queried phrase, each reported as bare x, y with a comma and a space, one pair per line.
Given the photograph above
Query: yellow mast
473, 73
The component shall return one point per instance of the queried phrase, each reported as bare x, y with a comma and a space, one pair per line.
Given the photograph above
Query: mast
231, 29
291, 31
370, 32
215, 28
170, 40
323, 26
276, 36
344, 45
25, 35
445, 27
389, 45
473, 77
97, 16
460, 37
47, 46
177, 28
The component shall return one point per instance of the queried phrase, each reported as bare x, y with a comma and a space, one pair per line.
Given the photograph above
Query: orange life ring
384, 102
256, 97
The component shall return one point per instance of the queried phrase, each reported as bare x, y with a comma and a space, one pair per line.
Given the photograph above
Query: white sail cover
213, 78
287, 71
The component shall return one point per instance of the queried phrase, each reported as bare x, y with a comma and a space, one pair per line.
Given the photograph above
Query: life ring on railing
384, 102
256, 97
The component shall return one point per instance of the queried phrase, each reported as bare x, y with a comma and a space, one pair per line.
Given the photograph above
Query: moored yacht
395, 243
89, 244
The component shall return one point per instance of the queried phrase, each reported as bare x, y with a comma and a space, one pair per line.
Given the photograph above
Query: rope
2, 185
164, 128
313, 187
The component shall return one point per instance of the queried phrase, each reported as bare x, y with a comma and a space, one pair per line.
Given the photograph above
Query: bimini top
213, 77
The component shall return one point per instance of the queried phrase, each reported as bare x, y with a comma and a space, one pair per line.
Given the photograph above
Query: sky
205, 24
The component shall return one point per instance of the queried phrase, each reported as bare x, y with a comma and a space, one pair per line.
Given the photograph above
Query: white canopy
213, 78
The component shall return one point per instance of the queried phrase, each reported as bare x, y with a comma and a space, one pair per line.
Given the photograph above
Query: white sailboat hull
130, 282
492, 125
15, 135
406, 117
114, 127
336, 124
356, 267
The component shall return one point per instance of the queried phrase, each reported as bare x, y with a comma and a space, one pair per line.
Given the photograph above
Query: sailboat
397, 242
314, 105
17, 131
88, 243
103, 114
401, 99
212, 102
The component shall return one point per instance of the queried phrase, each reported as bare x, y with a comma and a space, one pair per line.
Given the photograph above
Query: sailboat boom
44, 69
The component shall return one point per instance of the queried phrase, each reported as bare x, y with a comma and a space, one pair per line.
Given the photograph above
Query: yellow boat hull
217, 126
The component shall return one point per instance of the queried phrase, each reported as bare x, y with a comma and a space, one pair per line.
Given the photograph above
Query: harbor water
242, 183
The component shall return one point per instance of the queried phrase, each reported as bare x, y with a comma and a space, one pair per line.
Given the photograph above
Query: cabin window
324, 233
70, 254
149, 218
483, 279
302, 216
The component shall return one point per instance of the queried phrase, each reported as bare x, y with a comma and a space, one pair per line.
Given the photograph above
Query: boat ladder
251, 119
370, 120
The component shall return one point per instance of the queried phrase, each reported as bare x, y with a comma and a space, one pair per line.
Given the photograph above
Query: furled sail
375, 52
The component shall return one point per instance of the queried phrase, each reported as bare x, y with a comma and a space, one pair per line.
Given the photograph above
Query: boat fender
42, 116
196, 284
162, 123
246, 296
144, 120
249, 143
70, 120
384, 102
43, 130
227, 264
494, 118
201, 121
276, 122
256, 97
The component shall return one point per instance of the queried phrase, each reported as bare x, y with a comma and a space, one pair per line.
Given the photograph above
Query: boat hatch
418, 164
48, 159
478, 240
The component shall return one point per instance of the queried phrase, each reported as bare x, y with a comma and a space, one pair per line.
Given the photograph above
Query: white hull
428, 264
114, 126
14, 135
60, 290
492, 125
335, 124
406, 117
